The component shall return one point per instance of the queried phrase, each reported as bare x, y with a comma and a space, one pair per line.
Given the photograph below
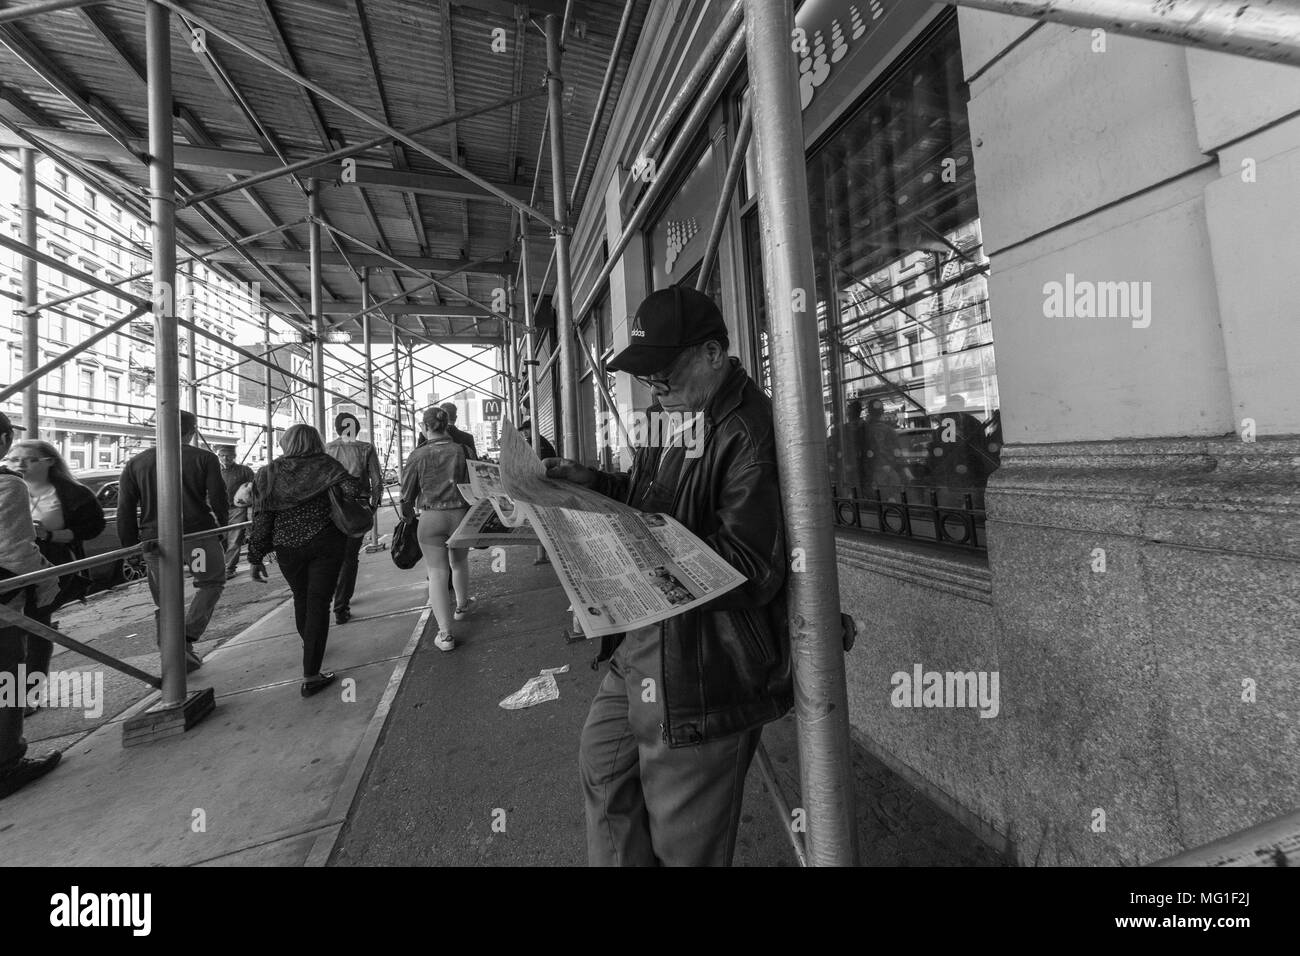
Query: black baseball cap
7, 426
667, 323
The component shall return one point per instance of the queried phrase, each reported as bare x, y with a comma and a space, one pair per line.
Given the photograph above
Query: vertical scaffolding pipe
821, 703
317, 307
162, 205
191, 361
563, 274
510, 358
31, 320
410, 378
530, 340
366, 342
397, 396
266, 376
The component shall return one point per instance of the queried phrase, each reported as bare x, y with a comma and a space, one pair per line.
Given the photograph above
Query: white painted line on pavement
343, 797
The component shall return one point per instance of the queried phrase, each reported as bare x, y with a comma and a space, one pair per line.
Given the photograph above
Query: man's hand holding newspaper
621, 568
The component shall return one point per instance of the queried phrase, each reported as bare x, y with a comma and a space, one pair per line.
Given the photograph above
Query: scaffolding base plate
158, 721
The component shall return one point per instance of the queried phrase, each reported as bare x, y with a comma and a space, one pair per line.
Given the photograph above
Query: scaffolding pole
317, 306
410, 377
366, 343
192, 359
31, 319
1262, 31
735, 166
33, 377
43, 6
270, 409
509, 357
397, 398
821, 700
355, 149
162, 201
530, 340
679, 149
564, 323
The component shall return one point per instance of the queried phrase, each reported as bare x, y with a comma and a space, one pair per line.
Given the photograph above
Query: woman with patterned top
429, 483
291, 516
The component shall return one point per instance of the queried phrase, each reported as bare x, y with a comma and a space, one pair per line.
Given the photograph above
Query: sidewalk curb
337, 815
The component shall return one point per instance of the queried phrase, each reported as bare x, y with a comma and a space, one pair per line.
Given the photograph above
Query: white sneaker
444, 641
463, 610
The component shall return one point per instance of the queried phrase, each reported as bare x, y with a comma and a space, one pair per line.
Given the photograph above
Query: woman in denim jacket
429, 484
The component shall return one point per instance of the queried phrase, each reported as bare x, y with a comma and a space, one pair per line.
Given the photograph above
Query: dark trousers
13, 651
312, 572
649, 804
348, 574
232, 553
39, 650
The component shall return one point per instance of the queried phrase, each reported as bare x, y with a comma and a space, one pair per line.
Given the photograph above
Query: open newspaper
621, 568
484, 526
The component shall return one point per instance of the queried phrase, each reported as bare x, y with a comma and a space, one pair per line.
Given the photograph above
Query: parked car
104, 484
390, 476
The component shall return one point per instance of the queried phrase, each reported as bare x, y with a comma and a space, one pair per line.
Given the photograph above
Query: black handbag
405, 547
352, 516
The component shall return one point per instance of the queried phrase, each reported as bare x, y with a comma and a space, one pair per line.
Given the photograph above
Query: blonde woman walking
429, 484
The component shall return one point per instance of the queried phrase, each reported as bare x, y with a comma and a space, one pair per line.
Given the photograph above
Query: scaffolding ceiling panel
80, 73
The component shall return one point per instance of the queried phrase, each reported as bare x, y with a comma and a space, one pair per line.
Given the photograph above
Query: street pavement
414, 764
456, 780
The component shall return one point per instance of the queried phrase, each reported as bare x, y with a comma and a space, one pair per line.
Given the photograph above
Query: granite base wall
1121, 690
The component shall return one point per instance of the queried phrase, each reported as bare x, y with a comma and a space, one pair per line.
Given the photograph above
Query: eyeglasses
659, 382
25, 461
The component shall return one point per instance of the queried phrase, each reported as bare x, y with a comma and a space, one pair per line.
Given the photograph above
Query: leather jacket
726, 665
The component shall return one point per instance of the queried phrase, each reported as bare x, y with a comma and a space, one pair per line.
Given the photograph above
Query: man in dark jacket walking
362, 462
663, 767
204, 503
464, 439
234, 475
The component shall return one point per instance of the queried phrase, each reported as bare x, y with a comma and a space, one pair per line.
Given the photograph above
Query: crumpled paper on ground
538, 690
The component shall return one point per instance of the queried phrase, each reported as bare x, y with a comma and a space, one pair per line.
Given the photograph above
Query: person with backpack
362, 462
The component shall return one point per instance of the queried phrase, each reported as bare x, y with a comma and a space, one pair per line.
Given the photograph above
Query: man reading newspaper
672, 730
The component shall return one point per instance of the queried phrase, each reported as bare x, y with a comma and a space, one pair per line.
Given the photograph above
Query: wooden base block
158, 721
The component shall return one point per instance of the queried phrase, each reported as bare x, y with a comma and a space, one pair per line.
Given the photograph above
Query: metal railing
12, 618
924, 520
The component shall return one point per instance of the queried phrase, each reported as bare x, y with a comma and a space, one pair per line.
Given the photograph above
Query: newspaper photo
485, 485
621, 568
483, 527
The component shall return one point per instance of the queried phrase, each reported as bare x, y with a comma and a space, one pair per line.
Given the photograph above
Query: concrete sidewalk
416, 764
266, 779
458, 781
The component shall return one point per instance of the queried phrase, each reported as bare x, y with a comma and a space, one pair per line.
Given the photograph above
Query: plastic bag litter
538, 690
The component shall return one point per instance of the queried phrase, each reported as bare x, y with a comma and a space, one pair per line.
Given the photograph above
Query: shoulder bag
350, 515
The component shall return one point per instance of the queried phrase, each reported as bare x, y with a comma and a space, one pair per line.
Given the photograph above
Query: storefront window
909, 384
909, 381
